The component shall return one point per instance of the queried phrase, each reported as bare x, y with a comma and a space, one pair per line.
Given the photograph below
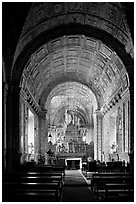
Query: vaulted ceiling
74, 58
65, 55
73, 97
12, 25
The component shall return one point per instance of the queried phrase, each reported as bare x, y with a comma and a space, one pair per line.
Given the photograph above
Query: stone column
98, 140
23, 127
43, 134
22, 130
4, 125
131, 135
13, 154
131, 129
36, 138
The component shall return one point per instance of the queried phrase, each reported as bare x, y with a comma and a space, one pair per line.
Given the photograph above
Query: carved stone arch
75, 27
42, 38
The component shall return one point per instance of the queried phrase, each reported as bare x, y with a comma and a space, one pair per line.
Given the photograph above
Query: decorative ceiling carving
74, 71
74, 58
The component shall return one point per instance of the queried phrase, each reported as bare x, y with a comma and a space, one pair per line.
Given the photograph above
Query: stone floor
76, 188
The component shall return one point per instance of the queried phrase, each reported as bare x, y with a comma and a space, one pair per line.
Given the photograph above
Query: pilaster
43, 131
99, 136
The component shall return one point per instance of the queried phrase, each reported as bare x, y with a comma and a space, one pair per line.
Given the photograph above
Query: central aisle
76, 188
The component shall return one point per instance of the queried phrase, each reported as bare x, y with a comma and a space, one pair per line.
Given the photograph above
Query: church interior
67, 101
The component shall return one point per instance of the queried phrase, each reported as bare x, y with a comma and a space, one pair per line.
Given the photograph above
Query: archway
80, 56
70, 109
75, 74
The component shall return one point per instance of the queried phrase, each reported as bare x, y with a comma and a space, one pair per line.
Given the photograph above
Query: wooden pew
107, 169
16, 189
33, 196
30, 166
117, 188
48, 181
109, 174
116, 166
99, 180
33, 176
50, 174
33, 182
59, 169
45, 179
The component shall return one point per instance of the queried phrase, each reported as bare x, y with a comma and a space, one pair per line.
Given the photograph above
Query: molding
125, 94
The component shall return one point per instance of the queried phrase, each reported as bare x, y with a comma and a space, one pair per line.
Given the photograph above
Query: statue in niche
31, 148
71, 118
113, 148
59, 148
62, 148
50, 152
68, 117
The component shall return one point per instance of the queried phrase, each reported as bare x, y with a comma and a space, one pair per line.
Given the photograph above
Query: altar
73, 163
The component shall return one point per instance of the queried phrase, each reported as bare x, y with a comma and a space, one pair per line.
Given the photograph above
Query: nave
76, 188
55, 184
68, 101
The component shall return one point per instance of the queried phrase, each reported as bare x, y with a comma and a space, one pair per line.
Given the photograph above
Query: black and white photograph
67, 101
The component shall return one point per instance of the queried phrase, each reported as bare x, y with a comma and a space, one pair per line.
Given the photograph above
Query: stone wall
122, 126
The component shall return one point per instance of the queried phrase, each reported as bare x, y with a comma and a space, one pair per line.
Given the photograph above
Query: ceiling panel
75, 58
